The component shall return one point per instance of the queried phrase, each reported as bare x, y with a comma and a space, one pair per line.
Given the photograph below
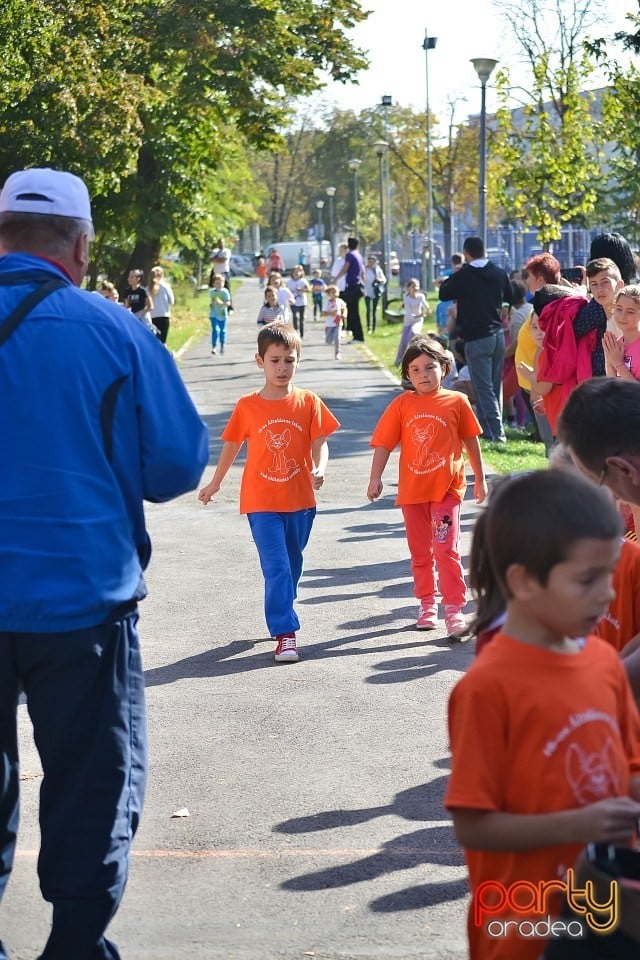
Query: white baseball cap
46, 191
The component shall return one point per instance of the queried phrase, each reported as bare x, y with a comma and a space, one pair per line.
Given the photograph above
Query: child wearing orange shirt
432, 426
545, 736
286, 430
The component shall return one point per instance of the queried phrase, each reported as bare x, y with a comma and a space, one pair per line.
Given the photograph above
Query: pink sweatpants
433, 533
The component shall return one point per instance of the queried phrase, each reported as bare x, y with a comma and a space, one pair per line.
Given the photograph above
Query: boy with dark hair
545, 735
600, 424
286, 430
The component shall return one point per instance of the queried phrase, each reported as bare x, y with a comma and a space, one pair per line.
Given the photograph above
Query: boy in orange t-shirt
545, 736
432, 426
286, 430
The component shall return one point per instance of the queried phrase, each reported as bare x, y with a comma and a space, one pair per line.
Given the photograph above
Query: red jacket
565, 359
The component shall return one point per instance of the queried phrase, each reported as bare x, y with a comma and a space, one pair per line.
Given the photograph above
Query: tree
156, 103
548, 167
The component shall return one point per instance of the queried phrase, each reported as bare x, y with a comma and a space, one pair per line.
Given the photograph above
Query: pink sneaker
454, 621
286, 649
427, 616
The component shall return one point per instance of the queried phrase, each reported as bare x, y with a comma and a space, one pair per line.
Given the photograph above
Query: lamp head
319, 204
387, 101
429, 43
381, 147
484, 67
331, 192
354, 164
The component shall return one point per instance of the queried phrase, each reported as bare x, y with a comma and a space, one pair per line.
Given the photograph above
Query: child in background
284, 295
299, 288
261, 273
334, 311
432, 426
286, 430
622, 354
270, 310
415, 310
545, 736
317, 289
218, 312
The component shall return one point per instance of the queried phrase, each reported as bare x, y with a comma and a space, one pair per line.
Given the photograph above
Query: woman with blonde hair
163, 300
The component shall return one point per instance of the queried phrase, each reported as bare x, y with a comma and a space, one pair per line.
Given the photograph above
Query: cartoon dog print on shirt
592, 776
422, 435
277, 443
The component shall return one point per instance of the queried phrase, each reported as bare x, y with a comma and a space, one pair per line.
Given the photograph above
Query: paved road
314, 790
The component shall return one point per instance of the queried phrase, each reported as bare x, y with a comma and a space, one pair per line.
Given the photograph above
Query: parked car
500, 257
241, 265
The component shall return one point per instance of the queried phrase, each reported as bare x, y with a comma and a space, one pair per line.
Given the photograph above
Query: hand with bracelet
613, 354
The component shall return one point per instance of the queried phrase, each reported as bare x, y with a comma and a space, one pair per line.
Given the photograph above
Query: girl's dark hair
534, 520
488, 596
428, 346
518, 292
615, 247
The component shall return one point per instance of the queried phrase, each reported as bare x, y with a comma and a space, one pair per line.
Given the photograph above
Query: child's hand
317, 478
480, 490
611, 821
374, 490
207, 493
614, 353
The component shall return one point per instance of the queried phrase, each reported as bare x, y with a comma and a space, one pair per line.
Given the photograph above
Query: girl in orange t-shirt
545, 736
432, 426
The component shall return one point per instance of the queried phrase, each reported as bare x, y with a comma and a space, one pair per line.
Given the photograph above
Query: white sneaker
455, 621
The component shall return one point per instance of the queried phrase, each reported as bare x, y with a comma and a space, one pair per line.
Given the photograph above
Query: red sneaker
286, 649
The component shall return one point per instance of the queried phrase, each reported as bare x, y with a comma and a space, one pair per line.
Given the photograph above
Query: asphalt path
314, 791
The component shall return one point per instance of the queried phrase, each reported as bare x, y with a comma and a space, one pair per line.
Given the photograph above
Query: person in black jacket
480, 288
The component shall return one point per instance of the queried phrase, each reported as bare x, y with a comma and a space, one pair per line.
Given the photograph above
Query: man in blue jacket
94, 419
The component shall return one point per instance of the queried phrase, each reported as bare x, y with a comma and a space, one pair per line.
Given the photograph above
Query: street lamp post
331, 192
429, 43
320, 226
484, 67
381, 147
387, 103
354, 166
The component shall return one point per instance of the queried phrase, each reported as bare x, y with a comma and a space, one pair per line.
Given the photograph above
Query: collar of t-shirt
478, 263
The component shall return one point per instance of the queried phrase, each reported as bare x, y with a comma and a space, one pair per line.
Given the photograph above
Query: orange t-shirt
279, 434
430, 430
534, 731
621, 622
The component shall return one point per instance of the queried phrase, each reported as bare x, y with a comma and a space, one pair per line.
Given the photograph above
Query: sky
393, 36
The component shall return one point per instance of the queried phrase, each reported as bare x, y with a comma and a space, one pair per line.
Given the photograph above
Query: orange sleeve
323, 423
469, 424
388, 430
477, 734
237, 428
629, 721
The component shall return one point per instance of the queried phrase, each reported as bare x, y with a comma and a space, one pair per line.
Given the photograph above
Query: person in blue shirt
94, 419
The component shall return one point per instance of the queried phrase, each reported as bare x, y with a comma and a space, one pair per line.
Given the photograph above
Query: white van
316, 253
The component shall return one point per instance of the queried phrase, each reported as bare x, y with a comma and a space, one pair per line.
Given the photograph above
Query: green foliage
156, 104
547, 171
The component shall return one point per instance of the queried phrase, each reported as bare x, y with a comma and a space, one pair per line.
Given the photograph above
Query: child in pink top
622, 354
432, 426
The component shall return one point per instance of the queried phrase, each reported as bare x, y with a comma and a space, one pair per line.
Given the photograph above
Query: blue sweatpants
85, 697
280, 539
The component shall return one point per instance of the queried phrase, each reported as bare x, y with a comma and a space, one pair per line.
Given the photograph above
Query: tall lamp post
320, 226
484, 67
331, 192
387, 103
381, 147
429, 43
354, 166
